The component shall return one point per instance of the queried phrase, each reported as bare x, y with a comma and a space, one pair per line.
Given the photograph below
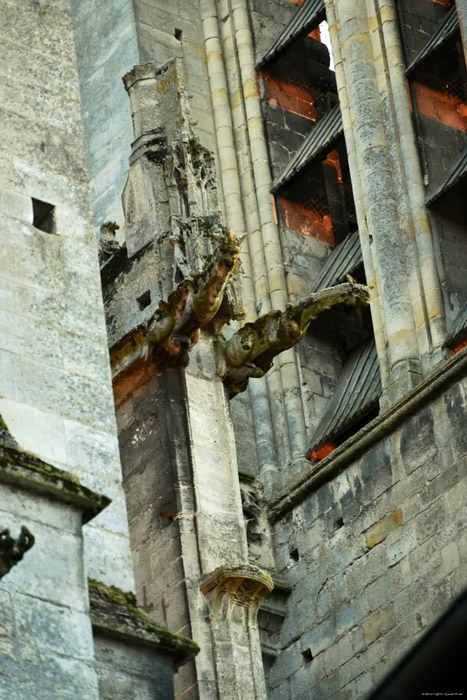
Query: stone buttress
168, 292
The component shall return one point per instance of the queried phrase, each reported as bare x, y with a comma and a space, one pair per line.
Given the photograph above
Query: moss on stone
116, 611
18, 466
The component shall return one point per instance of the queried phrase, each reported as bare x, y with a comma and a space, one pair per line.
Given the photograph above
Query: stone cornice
439, 379
29, 472
115, 613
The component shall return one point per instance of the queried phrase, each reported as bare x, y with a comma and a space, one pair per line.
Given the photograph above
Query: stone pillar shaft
396, 238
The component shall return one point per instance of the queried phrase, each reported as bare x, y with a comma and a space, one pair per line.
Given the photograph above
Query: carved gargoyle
108, 245
196, 303
12, 550
251, 497
251, 350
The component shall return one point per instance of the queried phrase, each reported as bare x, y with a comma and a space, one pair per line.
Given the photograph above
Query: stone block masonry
55, 390
381, 554
46, 642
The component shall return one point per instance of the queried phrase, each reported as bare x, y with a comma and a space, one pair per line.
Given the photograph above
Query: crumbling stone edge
439, 379
32, 473
115, 613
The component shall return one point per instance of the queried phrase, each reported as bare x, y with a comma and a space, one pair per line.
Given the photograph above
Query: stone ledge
115, 613
444, 375
29, 472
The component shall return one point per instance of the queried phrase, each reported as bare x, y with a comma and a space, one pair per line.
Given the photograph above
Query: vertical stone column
234, 596
387, 180
461, 6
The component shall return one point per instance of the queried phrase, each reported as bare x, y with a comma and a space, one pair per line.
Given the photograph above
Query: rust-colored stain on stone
379, 533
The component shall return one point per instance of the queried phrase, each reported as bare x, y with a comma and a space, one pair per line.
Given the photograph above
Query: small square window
43, 216
144, 300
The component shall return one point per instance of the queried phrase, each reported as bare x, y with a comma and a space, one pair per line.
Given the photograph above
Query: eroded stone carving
195, 304
251, 497
108, 245
251, 350
12, 550
244, 586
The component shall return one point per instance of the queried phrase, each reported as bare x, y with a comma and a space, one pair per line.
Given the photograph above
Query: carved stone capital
244, 586
12, 550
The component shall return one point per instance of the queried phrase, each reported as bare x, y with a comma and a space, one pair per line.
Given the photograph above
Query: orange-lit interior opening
332, 158
434, 104
288, 96
309, 222
321, 452
459, 347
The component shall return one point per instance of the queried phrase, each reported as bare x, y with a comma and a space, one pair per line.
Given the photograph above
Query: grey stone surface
46, 643
357, 609
53, 340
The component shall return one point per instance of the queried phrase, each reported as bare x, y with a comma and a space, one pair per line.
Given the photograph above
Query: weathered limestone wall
106, 49
122, 667
382, 551
268, 18
158, 25
46, 643
55, 388
147, 439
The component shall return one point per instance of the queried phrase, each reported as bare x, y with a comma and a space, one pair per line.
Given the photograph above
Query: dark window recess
166, 515
43, 216
339, 523
178, 33
307, 656
294, 554
144, 300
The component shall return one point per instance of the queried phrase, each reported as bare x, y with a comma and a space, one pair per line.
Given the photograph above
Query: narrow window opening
307, 656
43, 216
340, 522
144, 300
178, 33
294, 555
326, 40
179, 276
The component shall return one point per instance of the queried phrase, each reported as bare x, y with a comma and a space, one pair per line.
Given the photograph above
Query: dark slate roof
357, 391
343, 260
454, 175
323, 135
458, 332
448, 27
310, 13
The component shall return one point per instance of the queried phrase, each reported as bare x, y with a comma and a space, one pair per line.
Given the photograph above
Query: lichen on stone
116, 611
250, 352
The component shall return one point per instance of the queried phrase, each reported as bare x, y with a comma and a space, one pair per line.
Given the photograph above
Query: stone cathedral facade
233, 349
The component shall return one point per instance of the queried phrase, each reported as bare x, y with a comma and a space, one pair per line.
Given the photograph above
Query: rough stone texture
46, 643
106, 48
157, 26
55, 388
131, 651
122, 667
359, 609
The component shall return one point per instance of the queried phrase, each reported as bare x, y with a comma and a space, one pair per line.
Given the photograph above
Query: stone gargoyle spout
251, 350
196, 302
